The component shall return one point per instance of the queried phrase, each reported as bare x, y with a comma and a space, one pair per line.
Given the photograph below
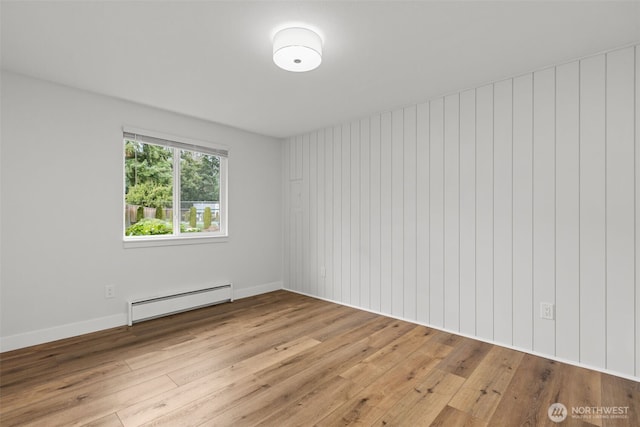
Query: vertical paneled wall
469, 211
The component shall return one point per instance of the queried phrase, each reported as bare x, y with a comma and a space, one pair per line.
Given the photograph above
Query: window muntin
173, 189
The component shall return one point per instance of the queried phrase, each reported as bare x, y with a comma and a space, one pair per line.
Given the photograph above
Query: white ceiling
212, 60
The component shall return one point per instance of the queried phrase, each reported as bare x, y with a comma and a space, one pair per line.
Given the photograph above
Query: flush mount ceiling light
297, 49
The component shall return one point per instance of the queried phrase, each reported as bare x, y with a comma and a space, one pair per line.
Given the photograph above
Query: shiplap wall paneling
386, 216
397, 212
305, 284
637, 218
451, 212
376, 209
543, 207
299, 156
296, 202
320, 215
293, 157
294, 188
468, 212
286, 194
620, 210
592, 212
567, 212
503, 212
484, 212
337, 213
436, 212
290, 160
286, 184
313, 214
329, 218
410, 213
354, 282
297, 232
422, 212
523, 212
299, 212
295, 211
365, 213
291, 220
346, 213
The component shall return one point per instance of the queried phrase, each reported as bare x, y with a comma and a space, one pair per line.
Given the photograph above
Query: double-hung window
173, 188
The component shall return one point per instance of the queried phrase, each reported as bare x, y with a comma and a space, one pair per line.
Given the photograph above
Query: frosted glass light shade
297, 49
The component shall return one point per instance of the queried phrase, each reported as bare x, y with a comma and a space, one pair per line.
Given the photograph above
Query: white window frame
180, 143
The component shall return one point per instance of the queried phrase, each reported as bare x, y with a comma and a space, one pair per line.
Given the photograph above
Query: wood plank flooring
282, 359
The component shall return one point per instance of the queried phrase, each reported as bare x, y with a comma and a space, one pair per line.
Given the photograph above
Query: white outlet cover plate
547, 310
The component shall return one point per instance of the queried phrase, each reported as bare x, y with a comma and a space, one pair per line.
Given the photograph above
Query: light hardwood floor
282, 359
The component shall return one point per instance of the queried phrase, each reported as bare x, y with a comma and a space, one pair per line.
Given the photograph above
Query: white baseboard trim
257, 290
523, 350
41, 336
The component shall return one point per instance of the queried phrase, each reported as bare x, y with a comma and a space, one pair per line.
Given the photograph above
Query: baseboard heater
140, 309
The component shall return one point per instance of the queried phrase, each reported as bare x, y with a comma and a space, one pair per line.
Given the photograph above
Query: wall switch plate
109, 291
323, 272
547, 310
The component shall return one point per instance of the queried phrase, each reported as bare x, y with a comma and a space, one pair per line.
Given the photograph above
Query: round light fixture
297, 49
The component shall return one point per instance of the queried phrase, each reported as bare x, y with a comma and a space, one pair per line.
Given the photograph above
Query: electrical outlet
109, 291
547, 310
323, 272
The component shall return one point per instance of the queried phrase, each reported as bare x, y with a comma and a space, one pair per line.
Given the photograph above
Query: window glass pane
148, 189
199, 192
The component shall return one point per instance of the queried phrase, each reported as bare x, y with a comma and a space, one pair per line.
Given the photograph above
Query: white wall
468, 211
62, 212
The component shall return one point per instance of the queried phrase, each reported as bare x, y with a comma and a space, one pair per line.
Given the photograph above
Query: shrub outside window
173, 189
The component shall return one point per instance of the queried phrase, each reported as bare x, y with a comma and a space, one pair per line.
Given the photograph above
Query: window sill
130, 243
